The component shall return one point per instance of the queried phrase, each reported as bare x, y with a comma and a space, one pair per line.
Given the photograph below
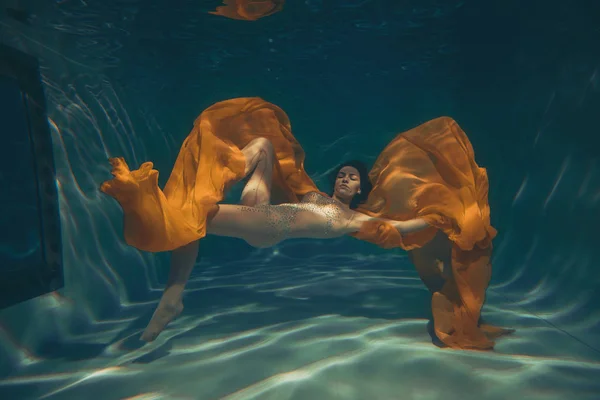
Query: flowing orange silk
428, 172
248, 10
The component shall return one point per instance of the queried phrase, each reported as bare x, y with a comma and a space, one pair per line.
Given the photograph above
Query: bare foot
165, 313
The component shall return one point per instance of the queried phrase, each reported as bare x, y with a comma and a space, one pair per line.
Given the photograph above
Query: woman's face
347, 183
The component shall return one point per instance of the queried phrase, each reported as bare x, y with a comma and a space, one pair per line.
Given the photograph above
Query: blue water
317, 319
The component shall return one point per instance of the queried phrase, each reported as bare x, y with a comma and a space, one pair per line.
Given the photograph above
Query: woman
317, 216
429, 197
262, 224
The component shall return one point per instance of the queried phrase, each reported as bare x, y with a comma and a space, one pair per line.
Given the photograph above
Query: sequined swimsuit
316, 217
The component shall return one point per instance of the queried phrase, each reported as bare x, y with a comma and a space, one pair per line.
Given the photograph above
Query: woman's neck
343, 202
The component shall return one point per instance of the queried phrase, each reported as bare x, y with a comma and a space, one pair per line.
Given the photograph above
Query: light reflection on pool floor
330, 327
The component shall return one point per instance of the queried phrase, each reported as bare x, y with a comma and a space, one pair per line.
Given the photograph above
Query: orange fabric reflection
427, 172
248, 10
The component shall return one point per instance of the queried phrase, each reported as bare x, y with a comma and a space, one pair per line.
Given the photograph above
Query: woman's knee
267, 149
257, 150
262, 145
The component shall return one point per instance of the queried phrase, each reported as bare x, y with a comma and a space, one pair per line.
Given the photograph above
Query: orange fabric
380, 233
427, 172
430, 172
209, 162
248, 10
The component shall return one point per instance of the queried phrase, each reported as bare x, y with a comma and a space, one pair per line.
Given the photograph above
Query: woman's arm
410, 226
404, 227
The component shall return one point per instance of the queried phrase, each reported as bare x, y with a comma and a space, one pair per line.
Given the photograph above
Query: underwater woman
425, 194
261, 224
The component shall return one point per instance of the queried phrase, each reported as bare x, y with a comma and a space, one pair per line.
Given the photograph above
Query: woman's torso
315, 217
322, 215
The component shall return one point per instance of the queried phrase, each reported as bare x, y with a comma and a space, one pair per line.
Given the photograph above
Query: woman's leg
170, 306
259, 162
260, 157
433, 262
261, 226
244, 221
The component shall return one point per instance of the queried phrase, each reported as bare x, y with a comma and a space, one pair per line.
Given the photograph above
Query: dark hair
365, 182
